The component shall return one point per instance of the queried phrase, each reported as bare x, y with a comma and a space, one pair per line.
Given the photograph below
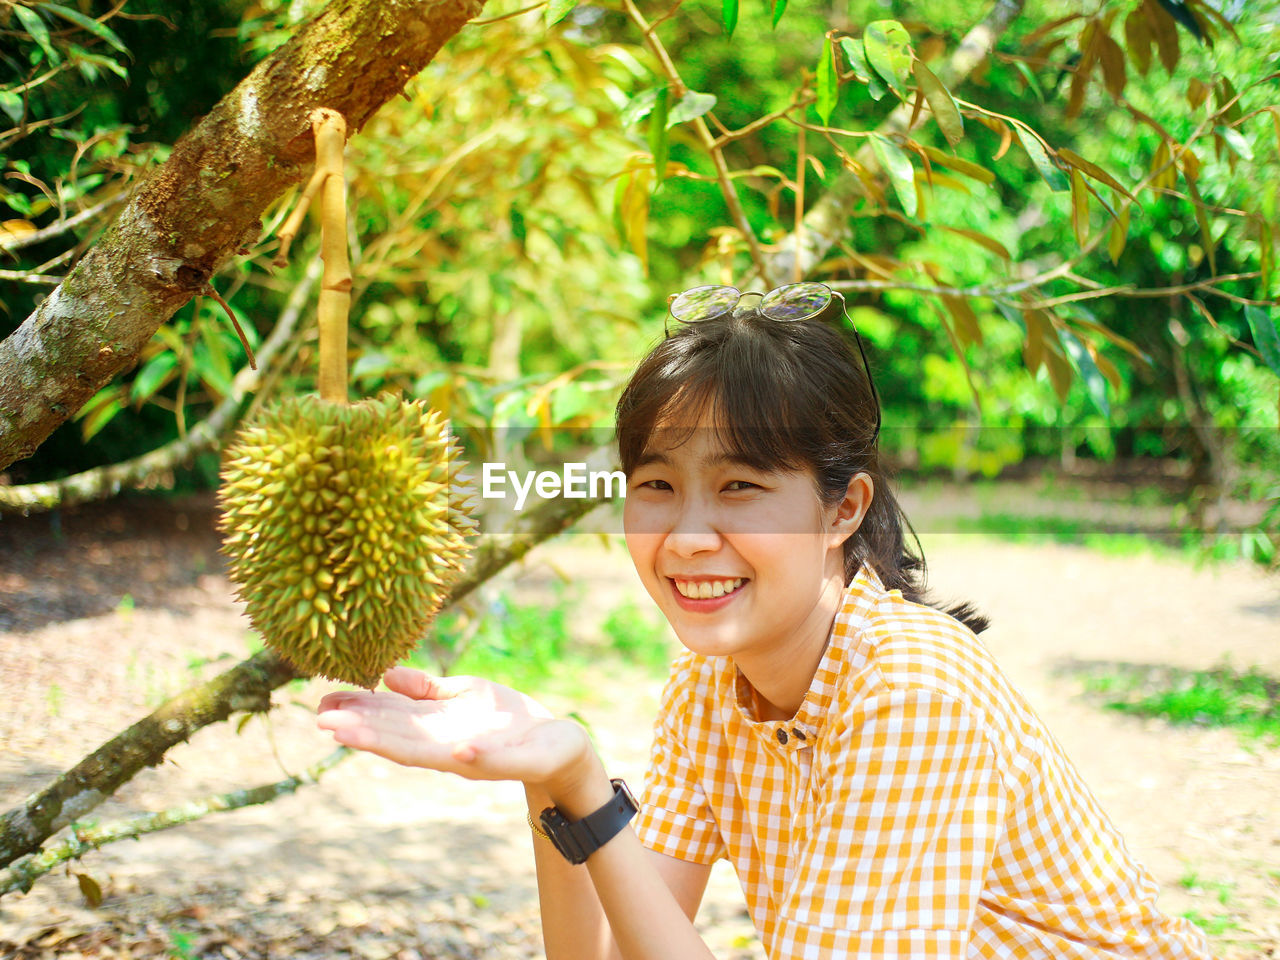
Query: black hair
790, 396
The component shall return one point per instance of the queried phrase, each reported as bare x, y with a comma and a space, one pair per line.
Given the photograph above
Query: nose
693, 531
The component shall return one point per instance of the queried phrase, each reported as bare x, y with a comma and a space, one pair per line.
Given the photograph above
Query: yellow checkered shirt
915, 805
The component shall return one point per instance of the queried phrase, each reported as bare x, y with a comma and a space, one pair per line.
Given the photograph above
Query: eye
654, 484
736, 486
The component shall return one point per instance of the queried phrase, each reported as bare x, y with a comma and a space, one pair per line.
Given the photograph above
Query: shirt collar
860, 598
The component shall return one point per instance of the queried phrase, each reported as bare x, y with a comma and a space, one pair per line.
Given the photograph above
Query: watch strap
578, 839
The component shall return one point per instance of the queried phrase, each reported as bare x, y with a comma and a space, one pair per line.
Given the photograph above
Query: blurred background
1064, 275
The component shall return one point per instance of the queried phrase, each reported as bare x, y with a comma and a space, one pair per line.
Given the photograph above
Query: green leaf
88, 63
155, 373
12, 104
729, 15
895, 162
99, 30
857, 54
1094, 381
97, 413
639, 107
1265, 337
1119, 235
888, 47
691, 106
828, 83
1079, 208
659, 146
519, 230
779, 8
944, 108
372, 364
1053, 176
1033, 82
34, 25
557, 10
1234, 138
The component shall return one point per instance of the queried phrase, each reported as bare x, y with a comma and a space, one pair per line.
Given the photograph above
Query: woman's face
742, 562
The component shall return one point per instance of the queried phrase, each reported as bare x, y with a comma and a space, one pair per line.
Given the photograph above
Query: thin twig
57, 229
709, 142
1005, 293
22, 276
507, 16
293, 223
253, 363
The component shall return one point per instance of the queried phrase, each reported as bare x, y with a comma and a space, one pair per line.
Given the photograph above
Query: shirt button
797, 733
782, 736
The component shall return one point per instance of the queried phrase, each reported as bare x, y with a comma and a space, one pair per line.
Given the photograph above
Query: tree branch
246, 686
102, 482
25, 871
203, 205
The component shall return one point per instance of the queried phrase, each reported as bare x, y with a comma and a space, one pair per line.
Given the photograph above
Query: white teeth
706, 589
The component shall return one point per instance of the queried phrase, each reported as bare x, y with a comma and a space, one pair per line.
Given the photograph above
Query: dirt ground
105, 611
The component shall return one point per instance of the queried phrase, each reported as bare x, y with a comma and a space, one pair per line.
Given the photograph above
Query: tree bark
99, 483
203, 204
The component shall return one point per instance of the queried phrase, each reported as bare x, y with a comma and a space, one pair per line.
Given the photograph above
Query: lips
707, 589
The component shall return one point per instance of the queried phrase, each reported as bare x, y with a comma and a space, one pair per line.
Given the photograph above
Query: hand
464, 725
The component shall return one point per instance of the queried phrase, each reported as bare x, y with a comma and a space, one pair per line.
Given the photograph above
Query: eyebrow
722, 459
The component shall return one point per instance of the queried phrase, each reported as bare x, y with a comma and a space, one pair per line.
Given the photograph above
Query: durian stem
335, 287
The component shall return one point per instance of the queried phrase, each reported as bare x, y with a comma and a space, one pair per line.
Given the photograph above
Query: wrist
579, 788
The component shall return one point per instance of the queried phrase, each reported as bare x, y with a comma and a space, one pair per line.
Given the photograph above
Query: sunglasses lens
796, 301
704, 303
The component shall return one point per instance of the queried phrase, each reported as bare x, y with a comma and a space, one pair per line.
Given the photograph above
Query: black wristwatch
579, 839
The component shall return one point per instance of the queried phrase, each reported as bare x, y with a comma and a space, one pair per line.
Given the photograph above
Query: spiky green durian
345, 524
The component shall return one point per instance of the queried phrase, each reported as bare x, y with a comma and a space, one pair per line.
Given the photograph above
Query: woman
879, 786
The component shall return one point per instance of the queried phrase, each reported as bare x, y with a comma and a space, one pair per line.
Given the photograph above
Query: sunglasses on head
786, 304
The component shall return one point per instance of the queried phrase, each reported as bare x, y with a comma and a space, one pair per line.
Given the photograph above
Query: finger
338, 699
421, 686
404, 742
363, 699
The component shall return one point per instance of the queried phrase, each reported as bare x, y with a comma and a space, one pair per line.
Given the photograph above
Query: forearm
615, 905
573, 923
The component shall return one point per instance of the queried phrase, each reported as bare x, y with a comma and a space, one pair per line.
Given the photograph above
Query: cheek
647, 514
641, 544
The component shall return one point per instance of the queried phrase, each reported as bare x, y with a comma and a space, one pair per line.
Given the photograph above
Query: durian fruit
345, 524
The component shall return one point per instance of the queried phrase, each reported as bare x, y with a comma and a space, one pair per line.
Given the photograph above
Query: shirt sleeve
905, 826
675, 817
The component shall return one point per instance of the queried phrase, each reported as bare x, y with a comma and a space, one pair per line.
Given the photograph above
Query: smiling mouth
706, 589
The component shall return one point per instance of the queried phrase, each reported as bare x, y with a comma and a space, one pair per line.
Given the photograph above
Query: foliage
531, 645
1051, 255
639, 636
1248, 700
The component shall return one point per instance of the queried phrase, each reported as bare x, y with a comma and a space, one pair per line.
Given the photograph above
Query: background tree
1054, 224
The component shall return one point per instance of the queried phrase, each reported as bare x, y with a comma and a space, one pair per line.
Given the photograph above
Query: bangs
742, 389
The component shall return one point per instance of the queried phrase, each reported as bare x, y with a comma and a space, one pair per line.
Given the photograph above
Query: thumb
417, 685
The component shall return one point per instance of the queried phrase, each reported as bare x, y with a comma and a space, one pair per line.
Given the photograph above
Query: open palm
464, 725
